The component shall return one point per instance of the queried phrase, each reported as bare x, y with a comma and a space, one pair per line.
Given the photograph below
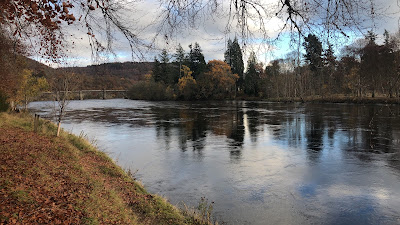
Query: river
259, 162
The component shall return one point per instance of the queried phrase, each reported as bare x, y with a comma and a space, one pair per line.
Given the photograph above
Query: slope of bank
65, 180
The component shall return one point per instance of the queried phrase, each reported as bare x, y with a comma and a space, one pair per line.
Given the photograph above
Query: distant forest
362, 69
111, 75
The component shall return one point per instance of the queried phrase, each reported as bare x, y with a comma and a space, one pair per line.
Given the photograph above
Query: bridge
86, 94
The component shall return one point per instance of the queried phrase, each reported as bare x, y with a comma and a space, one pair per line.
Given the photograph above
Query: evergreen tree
329, 68
371, 37
252, 76
313, 54
234, 58
162, 71
179, 60
157, 74
387, 38
196, 60
165, 67
370, 57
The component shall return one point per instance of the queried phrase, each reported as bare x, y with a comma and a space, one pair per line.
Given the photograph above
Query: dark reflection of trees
163, 125
371, 130
236, 134
198, 132
253, 118
237, 128
360, 130
193, 124
194, 128
314, 135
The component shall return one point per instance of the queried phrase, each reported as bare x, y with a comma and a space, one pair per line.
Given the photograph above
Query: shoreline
353, 100
66, 180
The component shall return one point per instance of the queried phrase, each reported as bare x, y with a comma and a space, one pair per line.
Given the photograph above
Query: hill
103, 76
111, 75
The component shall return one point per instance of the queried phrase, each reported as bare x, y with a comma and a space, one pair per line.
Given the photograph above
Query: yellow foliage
148, 77
30, 87
187, 83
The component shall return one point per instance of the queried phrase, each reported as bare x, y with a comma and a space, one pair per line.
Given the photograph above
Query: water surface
260, 162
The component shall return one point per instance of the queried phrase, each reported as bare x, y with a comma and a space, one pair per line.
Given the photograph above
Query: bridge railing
82, 94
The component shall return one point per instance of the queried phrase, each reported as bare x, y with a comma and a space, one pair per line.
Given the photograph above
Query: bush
4, 106
150, 90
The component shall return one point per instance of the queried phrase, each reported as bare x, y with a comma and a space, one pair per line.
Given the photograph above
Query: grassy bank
44, 179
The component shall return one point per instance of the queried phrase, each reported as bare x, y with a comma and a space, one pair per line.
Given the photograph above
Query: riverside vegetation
65, 180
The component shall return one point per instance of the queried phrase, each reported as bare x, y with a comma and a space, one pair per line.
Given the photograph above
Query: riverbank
333, 99
65, 180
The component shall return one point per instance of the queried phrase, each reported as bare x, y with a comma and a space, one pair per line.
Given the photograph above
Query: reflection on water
261, 163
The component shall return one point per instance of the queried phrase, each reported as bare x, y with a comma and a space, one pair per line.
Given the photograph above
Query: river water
259, 162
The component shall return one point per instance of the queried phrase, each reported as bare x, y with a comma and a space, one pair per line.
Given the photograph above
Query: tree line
186, 76
364, 68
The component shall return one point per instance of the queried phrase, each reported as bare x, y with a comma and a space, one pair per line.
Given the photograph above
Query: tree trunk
58, 128
26, 104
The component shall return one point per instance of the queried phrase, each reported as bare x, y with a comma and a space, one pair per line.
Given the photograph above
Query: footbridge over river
85, 94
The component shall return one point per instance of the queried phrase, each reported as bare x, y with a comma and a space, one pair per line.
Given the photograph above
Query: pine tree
164, 67
157, 75
313, 54
179, 60
252, 76
234, 58
196, 60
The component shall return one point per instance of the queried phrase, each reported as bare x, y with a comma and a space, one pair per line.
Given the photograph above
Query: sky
210, 32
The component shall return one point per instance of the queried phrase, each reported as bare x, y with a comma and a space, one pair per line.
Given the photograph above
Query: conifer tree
157, 70
234, 58
179, 59
252, 76
196, 60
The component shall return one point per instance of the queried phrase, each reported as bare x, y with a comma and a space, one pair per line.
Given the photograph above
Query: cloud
143, 17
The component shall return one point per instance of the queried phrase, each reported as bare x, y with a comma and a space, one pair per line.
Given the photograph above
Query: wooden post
36, 123
80, 95
104, 93
12, 105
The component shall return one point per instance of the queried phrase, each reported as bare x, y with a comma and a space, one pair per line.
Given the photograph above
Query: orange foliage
218, 82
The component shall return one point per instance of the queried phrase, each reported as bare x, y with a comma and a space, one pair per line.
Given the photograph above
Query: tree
179, 58
157, 72
234, 58
30, 87
389, 65
218, 82
252, 76
196, 60
329, 62
165, 71
313, 56
273, 79
370, 57
63, 84
187, 84
47, 20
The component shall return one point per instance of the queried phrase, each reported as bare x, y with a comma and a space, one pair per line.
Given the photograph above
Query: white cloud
144, 18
